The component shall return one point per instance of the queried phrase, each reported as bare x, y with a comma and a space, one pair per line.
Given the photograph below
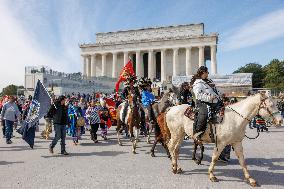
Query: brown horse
162, 133
132, 120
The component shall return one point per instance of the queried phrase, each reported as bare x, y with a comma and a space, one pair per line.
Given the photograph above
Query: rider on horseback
208, 101
130, 89
147, 98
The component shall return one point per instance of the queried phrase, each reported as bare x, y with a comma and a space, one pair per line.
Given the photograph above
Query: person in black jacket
185, 94
130, 89
60, 119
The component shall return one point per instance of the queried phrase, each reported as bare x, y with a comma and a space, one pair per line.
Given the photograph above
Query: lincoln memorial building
158, 53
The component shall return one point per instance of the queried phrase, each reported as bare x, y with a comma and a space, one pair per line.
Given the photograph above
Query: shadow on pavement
7, 163
262, 177
103, 153
18, 148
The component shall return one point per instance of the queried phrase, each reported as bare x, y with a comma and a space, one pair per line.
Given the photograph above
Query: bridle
262, 105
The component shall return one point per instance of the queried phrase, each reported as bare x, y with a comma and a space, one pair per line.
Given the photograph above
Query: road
107, 165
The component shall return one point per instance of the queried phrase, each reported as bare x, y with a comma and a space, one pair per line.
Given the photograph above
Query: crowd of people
75, 114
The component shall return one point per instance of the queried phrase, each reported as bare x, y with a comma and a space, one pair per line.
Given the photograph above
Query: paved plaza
107, 165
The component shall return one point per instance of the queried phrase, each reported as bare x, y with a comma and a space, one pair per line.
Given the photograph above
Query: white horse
230, 131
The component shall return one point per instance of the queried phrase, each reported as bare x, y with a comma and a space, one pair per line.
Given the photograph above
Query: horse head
268, 110
172, 96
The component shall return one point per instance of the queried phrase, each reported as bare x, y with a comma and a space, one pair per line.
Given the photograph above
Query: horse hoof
214, 179
179, 170
198, 162
134, 152
120, 144
252, 182
153, 155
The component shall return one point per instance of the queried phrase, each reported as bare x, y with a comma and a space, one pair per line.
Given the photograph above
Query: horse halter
263, 105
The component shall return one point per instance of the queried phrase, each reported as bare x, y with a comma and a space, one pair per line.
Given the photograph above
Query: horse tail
161, 119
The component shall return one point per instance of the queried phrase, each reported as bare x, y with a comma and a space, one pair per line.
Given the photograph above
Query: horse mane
247, 100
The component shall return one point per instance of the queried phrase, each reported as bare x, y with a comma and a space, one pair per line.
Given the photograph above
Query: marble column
104, 65
151, 64
188, 63
93, 65
88, 66
138, 64
175, 61
125, 58
114, 65
163, 65
213, 59
84, 74
201, 56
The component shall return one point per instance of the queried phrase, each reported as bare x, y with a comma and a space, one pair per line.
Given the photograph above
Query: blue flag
38, 108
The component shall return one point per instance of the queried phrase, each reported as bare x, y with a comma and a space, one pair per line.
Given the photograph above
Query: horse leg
149, 133
118, 133
194, 151
216, 153
177, 147
238, 147
173, 148
157, 139
134, 142
166, 148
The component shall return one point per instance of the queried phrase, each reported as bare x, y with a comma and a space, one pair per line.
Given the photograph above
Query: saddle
190, 113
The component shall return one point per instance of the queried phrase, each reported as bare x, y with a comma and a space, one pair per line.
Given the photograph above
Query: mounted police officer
208, 101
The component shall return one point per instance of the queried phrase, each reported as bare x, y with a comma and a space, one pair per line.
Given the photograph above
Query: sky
48, 32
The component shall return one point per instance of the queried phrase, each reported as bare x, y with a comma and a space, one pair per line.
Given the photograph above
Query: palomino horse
132, 121
169, 99
230, 131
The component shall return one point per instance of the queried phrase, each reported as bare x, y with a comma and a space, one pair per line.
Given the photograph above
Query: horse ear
263, 94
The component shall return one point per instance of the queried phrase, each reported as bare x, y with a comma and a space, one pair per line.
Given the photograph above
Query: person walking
94, 120
60, 119
10, 113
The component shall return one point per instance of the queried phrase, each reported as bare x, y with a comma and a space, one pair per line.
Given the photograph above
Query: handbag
80, 122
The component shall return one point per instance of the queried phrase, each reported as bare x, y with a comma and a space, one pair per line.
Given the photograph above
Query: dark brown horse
132, 121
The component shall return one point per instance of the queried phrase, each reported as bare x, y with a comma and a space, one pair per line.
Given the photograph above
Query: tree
274, 78
10, 90
256, 70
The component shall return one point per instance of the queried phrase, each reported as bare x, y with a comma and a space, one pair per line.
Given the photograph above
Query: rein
259, 108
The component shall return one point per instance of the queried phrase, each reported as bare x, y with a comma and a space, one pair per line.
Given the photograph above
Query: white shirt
204, 92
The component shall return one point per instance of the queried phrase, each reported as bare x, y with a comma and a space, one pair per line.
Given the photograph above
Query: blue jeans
8, 129
60, 133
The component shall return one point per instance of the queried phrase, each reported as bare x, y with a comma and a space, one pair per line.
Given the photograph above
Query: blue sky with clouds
47, 32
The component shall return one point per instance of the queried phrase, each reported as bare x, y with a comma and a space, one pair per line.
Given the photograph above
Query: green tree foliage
258, 73
10, 90
274, 75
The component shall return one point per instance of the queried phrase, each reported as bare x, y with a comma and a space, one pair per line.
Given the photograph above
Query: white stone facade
157, 53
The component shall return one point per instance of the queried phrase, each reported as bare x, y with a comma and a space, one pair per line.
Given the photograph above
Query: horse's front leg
136, 138
194, 151
149, 133
216, 153
154, 145
238, 147
118, 132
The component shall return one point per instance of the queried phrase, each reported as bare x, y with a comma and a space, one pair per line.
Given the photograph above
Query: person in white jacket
208, 100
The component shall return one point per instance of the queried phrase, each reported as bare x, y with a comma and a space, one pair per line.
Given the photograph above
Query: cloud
255, 31
17, 50
35, 33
